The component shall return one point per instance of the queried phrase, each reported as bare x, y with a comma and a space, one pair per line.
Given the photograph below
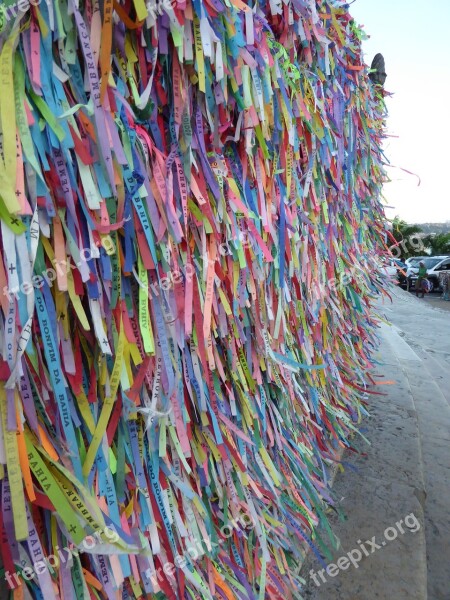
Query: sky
413, 37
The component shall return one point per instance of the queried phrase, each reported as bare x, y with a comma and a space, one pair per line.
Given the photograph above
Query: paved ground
395, 539
436, 301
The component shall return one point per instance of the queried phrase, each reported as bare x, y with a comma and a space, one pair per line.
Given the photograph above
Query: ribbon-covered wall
190, 223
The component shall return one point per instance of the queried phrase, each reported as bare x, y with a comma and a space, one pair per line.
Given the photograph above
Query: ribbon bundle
190, 219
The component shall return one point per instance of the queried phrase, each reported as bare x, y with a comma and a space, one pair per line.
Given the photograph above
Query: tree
408, 241
438, 243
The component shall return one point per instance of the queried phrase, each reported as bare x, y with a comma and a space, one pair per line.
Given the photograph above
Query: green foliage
438, 243
408, 242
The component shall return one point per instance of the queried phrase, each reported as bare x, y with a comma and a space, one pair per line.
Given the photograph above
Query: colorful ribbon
190, 224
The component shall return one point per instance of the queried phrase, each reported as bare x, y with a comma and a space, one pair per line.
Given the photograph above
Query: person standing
421, 279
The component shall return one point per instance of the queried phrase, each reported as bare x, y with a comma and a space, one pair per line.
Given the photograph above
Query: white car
388, 267
394, 269
434, 265
409, 262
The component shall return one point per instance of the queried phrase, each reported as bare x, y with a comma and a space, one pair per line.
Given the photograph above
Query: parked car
395, 269
434, 265
401, 271
412, 260
388, 267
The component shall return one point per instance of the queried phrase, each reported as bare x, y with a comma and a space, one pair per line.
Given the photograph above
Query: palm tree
437, 243
407, 238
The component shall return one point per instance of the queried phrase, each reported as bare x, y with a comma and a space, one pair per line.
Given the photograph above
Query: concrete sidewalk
396, 535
